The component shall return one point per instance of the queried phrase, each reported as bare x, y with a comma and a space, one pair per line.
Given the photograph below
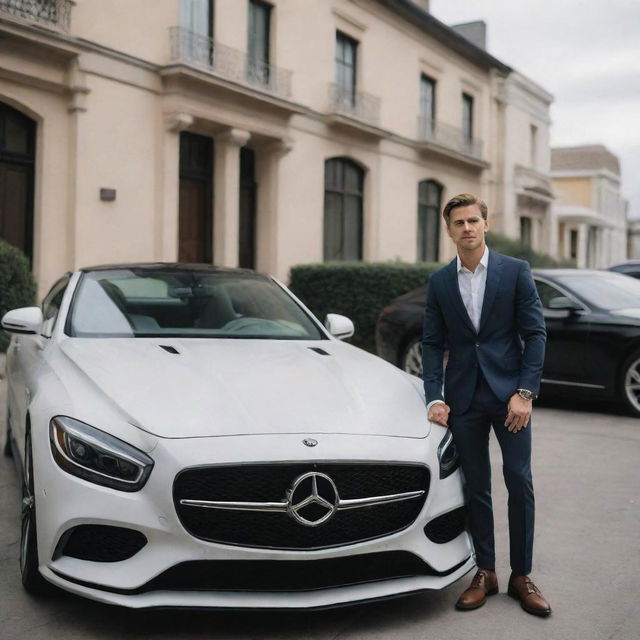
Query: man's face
467, 227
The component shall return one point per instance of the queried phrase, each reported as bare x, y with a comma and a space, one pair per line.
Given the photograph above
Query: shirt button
477, 344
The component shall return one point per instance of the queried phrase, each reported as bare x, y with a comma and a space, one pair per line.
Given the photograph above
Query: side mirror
24, 320
339, 326
562, 303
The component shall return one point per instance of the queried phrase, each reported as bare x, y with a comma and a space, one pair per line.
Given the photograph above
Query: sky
586, 53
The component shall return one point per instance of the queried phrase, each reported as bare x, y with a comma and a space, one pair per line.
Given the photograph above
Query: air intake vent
322, 352
169, 348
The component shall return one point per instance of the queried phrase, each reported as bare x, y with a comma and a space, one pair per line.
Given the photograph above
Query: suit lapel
494, 272
454, 294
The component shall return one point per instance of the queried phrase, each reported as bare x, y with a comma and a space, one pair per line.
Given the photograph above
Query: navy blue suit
483, 371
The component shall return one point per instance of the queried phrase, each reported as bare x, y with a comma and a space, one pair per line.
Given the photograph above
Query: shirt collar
484, 261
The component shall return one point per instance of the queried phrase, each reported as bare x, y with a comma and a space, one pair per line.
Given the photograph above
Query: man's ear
486, 225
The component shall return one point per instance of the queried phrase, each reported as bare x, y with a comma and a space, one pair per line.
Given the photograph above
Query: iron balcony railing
225, 62
448, 136
355, 104
51, 13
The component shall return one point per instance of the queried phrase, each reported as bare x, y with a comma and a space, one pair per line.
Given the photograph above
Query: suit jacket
508, 348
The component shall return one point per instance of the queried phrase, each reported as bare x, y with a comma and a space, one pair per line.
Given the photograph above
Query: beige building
257, 134
633, 239
590, 211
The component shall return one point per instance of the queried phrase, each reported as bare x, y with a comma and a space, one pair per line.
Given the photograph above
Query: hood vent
322, 352
169, 348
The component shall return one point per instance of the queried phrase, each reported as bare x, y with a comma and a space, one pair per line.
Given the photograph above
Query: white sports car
193, 436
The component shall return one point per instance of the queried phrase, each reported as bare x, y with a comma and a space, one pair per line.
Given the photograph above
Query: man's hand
519, 413
439, 413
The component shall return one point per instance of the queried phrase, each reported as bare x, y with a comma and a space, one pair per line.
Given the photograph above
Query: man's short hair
463, 200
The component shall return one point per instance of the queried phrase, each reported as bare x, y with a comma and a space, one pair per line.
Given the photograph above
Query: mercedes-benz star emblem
312, 499
310, 442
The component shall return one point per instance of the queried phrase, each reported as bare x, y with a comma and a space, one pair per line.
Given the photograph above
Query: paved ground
587, 560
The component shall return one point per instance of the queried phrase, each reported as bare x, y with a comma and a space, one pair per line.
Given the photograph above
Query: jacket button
477, 344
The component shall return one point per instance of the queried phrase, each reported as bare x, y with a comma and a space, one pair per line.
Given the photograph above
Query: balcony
448, 137
354, 104
230, 64
50, 13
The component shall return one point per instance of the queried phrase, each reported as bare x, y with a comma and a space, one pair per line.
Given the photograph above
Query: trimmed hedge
515, 248
358, 290
17, 287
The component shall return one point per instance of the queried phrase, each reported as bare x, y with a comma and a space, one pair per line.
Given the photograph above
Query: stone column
268, 205
226, 190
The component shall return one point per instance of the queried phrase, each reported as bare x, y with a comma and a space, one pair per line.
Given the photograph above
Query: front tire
630, 383
411, 360
32, 580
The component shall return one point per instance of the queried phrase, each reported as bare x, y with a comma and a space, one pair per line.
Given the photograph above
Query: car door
566, 354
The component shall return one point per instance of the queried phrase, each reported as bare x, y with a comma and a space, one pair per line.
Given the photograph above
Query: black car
593, 334
629, 268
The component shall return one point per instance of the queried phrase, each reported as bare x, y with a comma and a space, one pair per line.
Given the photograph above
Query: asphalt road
587, 561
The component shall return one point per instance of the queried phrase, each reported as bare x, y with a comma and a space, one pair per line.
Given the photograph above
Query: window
427, 104
467, 117
525, 231
197, 16
343, 190
346, 50
51, 305
547, 293
259, 30
196, 19
533, 136
429, 196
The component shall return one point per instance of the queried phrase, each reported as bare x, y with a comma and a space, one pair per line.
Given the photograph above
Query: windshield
608, 291
139, 302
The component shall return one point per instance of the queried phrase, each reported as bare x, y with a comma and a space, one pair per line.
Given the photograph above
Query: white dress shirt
472, 285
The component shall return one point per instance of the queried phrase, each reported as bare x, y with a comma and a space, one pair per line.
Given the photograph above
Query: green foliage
358, 290
515, 248
17, 288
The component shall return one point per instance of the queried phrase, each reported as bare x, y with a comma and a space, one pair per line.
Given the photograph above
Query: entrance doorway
195, 207
17, 160
248, 194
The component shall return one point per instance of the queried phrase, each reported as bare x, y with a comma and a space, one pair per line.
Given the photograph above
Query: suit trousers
470, 432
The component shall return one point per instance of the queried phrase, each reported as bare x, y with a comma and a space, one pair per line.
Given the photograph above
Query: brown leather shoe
531, 598
484, 583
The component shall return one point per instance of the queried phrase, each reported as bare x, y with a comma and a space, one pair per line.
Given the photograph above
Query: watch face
525, 393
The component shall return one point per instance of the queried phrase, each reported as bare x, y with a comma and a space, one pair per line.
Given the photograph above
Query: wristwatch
526, 394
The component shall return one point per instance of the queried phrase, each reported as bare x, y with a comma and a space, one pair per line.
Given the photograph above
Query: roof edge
445, 34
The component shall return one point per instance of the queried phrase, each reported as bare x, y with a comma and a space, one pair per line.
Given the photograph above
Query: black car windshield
604, 290
180, 302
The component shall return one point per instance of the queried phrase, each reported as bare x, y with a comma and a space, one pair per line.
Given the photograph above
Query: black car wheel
630, 387
32, 580
411, 360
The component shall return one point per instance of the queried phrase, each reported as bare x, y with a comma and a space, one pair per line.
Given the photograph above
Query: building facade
590, 211
248, 133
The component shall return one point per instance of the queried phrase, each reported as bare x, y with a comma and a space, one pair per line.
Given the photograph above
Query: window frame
428, 116
468, 114
423, 211
343, 43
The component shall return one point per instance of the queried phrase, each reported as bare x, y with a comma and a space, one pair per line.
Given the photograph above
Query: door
17, 159
248, 194
195, 206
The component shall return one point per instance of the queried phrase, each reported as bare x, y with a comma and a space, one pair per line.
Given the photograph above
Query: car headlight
96, 456
447, 455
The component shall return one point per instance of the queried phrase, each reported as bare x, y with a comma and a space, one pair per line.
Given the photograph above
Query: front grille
446, 527
100, 543
269, 483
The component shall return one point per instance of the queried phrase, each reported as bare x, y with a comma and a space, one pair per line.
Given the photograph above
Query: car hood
627, 313
235, 387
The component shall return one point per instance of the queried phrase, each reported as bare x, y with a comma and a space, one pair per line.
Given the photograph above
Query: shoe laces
531, 587
480, 576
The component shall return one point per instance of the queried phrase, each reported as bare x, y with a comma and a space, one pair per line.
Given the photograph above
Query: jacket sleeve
530, 323
434, 336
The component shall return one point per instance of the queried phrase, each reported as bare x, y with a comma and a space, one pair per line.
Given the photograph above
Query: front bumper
64, 501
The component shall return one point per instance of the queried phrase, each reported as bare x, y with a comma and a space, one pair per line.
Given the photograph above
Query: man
483, 307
